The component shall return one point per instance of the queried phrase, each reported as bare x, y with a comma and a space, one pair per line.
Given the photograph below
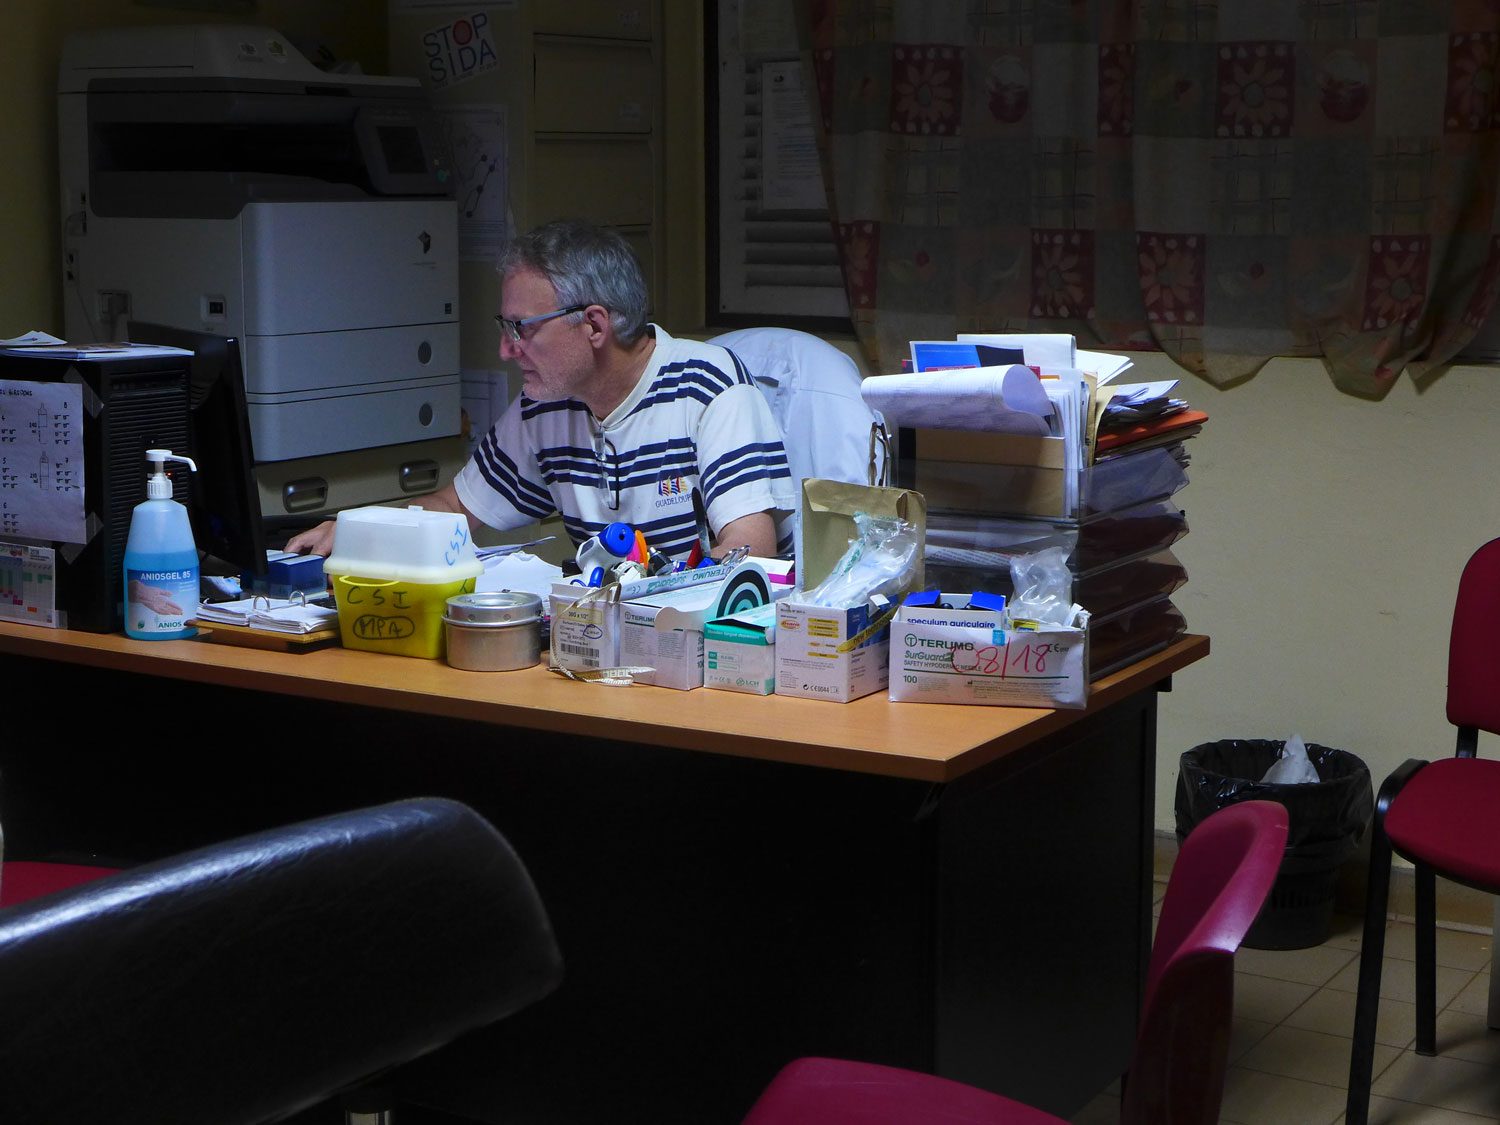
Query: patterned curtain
1225, 181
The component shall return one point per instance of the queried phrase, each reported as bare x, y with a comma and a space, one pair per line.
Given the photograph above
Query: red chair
1176, 1076
24, 880
1441, 816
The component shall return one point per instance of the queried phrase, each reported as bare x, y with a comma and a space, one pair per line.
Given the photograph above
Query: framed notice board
772, 253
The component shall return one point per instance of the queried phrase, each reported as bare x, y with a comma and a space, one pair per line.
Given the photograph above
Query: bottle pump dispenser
161, 560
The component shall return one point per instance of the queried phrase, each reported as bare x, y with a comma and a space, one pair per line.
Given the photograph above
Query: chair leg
1426, 992
1494, 1005
1367, 1002
368, 1105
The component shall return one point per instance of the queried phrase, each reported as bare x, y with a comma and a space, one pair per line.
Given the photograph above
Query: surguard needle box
962, 655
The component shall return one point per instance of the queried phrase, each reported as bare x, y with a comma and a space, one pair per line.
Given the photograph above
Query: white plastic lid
403, 544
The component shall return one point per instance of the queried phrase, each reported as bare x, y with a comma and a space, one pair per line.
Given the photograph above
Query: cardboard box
739, 652
833, 654
661, 619
973, 471
585, 638
968, 656
665, 634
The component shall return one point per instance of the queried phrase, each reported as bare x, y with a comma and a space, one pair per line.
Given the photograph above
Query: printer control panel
405, 150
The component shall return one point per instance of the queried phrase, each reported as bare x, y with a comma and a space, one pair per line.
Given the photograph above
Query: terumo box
832, 654
662, 619
656, 634
964, 655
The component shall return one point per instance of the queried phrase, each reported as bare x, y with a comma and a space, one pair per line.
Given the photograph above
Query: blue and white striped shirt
695, 424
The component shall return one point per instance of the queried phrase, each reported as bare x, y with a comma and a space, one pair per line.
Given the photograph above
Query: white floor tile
1332, 1012
1445, 1082
1310, 1056
1398, 981
1255, 1098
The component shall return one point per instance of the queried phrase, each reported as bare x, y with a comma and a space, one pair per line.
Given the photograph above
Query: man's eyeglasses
513, 328
609, 471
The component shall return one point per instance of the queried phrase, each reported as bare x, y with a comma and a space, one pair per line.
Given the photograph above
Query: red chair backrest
1473, 647
1222, 876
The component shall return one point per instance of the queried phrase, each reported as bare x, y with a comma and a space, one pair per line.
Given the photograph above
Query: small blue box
287, 574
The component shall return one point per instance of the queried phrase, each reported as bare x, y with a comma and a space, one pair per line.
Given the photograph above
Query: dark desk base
718, 915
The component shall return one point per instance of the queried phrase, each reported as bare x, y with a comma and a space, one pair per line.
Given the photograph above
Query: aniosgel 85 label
160, 601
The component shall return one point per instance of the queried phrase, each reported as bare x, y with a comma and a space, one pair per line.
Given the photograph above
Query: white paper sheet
41, 461
1005, 400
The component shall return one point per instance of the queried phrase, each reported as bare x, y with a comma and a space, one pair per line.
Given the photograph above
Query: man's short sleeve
501, 484
741, 462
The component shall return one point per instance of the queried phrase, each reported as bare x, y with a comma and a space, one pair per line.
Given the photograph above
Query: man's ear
600, 330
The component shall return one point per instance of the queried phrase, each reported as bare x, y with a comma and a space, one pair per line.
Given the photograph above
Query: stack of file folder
1093, 466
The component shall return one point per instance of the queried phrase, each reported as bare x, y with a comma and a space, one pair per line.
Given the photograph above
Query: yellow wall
31, 282
1326, 538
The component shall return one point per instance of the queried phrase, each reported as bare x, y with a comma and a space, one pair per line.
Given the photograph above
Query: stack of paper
276, 615
43, 345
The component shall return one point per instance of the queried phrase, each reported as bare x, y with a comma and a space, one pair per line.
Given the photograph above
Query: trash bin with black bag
1327, 818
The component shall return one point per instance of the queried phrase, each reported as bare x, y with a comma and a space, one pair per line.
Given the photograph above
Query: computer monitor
225, 501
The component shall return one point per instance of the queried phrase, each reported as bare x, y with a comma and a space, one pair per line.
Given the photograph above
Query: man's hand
315, 541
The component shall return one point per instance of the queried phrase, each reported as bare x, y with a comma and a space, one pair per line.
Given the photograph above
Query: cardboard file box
968, 656
971, 471
833, 654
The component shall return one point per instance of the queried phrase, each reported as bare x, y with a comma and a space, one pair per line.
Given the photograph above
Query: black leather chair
250, 980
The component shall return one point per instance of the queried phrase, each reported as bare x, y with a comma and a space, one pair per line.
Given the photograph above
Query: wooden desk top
920, 741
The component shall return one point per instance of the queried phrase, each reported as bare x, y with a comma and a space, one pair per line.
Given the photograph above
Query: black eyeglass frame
609, 475
512, 328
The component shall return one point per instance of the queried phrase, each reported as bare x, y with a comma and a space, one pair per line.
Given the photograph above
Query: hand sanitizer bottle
161, 560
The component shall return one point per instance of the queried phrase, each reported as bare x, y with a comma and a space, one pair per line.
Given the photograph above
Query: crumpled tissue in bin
1327, 819
1293, 767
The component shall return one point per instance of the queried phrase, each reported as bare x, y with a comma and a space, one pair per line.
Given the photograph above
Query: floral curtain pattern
1225, 181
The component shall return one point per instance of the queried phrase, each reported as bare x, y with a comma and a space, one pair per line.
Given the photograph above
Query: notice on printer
41, 461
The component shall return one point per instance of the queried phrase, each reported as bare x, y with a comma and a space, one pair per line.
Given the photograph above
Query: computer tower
129, 405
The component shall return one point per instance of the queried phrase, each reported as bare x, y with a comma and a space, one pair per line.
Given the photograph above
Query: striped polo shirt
694, 436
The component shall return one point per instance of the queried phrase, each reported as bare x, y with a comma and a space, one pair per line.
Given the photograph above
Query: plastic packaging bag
1043, 588
880, 561
1293, 766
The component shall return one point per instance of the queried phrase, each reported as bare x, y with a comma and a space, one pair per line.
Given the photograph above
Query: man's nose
509, 349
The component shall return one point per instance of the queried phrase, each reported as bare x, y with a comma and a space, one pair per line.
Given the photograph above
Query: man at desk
616, 419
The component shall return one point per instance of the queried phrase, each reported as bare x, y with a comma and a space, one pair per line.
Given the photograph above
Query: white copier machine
213, 179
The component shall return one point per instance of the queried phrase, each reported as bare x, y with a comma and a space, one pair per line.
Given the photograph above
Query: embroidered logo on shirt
671, 486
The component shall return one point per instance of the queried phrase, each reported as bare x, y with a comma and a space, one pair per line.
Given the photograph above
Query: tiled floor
1294, 1015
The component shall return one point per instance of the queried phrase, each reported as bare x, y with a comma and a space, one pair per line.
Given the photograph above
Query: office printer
213, 179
